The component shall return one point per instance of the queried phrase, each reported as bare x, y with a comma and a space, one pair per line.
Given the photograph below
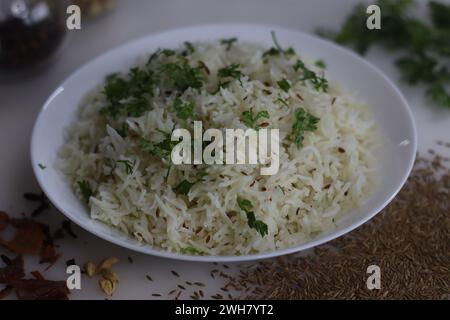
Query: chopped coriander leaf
246, 206
183, 187
85, 190
320, 83
183, 110
42, 166
167, 144
282, 189
284, 85
289, 51
321, 64
190, 250
137, 107
271, 52
128, 165
161, 149
250, 120
221, 85
189, 47
228, 42
304, 121
110, 110
152, 148
115, 89
182, 76
168, 52
141, 82
258, 225
230, 71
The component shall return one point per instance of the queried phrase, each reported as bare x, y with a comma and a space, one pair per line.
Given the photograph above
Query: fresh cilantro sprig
259, 225
277, 50
427, 45
304, 121
250, 119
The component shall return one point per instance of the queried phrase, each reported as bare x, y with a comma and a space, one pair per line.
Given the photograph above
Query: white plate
389, 107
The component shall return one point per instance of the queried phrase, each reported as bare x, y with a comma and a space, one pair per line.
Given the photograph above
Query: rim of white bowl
148, 250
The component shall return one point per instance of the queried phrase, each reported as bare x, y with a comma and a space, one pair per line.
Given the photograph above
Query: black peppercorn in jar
31, 32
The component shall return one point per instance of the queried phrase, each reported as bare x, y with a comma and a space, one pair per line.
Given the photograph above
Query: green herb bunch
426, 46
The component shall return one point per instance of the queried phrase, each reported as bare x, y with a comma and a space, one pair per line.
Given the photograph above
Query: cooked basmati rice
332, 173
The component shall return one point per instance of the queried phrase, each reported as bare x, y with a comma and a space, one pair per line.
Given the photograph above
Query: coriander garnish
277, 49
284, 85
85, 190
320, 64
304, 121
189, 47
250, 119
43, 167
161, 149
228, 42
183, 110
190, 250
231, 71
182, 76
320, 83
137, 107
183, 187
168, 52
246, 206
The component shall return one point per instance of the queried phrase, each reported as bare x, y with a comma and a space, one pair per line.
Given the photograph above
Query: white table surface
20, 103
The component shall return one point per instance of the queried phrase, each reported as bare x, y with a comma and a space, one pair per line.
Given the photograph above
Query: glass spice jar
31, 32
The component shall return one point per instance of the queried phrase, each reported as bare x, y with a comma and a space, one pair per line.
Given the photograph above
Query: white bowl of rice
100, 150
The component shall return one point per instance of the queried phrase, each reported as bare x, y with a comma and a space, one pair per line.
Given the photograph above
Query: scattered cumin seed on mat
409, 240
